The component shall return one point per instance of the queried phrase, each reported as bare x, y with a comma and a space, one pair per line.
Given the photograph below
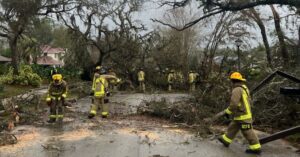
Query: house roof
47, 60
51, 50
4, 59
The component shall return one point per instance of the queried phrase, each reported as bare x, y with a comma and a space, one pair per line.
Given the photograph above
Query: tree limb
190, 24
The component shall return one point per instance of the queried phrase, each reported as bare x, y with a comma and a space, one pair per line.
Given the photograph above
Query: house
4, 59
48, 61
51, 56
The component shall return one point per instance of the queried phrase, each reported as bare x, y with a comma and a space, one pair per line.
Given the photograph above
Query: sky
152, 10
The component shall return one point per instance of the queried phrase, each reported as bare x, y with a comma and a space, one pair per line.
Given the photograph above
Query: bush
3, 68
44, 72
26, 77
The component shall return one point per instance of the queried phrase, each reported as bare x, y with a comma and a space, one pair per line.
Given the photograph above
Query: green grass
14, 90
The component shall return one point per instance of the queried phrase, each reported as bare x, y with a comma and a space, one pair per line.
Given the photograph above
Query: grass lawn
13, 90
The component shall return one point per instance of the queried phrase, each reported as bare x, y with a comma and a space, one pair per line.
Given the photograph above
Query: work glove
64, 95
48, 101
91, 93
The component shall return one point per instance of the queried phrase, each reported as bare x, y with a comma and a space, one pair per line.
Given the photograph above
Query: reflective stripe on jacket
240, 105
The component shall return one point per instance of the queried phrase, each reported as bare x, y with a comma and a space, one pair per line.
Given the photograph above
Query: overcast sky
152, 10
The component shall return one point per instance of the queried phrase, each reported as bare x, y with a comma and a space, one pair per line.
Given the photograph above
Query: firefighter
112, 83
240, 108
192, 80
100, 85
96, 72
171, 79
141, 79
57, 93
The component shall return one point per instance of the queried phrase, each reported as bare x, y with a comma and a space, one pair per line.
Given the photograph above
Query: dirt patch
76, 135
24, 139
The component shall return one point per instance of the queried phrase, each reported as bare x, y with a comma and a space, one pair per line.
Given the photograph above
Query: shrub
26, 77
68, 73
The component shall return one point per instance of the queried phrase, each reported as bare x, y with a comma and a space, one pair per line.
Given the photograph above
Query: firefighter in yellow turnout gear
99, 88
97, 72
100, 91
57, 93
192, 80
141, 79
171, 79
240, 108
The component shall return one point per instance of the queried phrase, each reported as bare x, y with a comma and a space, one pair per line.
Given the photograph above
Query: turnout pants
99, 105
56, 108
142, 86
192, 87
247, 131
170, 87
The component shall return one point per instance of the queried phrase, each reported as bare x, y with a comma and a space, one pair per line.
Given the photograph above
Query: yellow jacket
57, 90
240, 106
192, 77
171, 77
100, 86
141, 75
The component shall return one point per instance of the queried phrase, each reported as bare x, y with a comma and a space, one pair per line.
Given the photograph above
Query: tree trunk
101, 58
283, 48
15, 55
298, 49
262, 28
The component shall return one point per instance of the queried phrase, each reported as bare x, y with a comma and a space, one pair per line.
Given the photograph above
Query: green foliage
26, 77
43, 72
69, 73
30, 48
6, 52
3, 68
62, 37
42, 30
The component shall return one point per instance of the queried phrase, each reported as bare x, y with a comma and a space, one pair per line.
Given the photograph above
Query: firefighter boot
90, 116
256, 151
104, 114
51, 120
223, 142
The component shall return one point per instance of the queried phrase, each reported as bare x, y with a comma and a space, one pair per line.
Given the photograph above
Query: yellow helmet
57, 77
98, 67
237, 76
